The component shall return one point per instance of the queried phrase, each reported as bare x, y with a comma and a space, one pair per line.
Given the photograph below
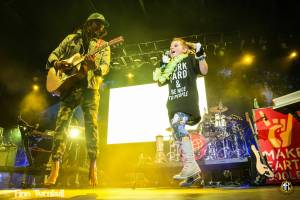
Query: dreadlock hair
87, 31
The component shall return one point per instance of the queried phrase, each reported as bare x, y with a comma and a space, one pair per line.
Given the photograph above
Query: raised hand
166, 57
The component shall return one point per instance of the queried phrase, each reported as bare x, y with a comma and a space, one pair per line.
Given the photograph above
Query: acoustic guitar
59, 81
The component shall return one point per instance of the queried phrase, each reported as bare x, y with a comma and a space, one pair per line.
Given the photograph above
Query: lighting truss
134, 55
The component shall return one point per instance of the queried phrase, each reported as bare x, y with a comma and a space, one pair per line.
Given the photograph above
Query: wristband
200, 58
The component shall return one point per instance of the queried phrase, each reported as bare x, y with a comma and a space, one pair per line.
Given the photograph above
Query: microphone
166, 57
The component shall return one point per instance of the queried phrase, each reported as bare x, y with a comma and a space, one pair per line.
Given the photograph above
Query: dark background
31, 29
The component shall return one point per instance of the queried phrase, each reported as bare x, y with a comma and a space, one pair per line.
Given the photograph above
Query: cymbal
236, 117
217, 109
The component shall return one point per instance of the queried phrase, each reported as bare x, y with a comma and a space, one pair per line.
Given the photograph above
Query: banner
279, 140
199, 143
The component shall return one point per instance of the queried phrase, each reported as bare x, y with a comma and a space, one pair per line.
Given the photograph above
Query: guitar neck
96, 50
254, 132
263, 167
92, 52
99, 48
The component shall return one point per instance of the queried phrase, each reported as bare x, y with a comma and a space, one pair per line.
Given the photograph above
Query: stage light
248, 59
35, 87
74, 132
130, 76
293, 55
221, 51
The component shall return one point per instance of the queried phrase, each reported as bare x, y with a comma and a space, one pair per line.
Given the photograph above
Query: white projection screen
138, 113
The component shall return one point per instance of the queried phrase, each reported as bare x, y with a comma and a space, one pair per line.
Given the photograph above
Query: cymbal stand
212, 153
173, 154
238, 153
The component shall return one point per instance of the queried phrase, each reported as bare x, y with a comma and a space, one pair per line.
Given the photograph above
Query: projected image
139, 113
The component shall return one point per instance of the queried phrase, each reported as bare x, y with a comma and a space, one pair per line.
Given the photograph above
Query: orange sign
279, 139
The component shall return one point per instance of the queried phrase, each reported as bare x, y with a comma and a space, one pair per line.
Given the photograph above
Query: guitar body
261, 163
261, 167
58, 81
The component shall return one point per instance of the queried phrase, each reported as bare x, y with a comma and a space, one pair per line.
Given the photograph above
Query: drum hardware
220, 120
211, 152
160, 156
236, 146
219, 117
224, 133
238, 137
223, 136
173, 154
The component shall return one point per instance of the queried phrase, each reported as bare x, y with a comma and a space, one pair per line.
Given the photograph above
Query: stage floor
249, 193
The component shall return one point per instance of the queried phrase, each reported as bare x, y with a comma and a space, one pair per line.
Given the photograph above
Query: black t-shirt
183, 93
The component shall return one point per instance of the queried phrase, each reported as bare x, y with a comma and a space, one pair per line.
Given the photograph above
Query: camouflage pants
88, 99
178, 123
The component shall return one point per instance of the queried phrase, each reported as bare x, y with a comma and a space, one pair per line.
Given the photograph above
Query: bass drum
199, 145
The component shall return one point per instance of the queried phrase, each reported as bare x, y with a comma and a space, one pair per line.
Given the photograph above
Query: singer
179, 69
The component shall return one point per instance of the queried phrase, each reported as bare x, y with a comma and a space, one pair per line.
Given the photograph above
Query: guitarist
84, 93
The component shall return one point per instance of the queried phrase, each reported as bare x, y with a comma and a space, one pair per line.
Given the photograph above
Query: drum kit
220, 137
224, 134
